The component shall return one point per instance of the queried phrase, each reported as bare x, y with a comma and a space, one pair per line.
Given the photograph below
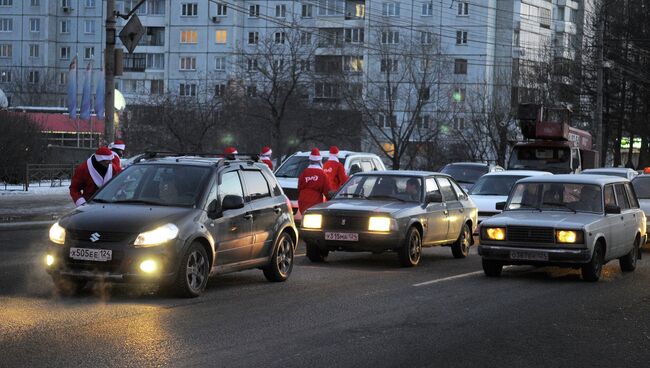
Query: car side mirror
213, 209
612, 210
232, 202
435, 197
355, 169
500, 206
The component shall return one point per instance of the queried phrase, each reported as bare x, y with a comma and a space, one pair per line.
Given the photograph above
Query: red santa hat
103, 154
266, 151
118, 144
230, 151
334, 151
315, 155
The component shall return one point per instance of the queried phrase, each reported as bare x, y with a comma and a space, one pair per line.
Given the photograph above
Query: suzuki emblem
94, 237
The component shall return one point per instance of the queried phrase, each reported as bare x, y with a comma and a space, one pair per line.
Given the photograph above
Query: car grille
291, 193
527, 234
342, 222
104, 237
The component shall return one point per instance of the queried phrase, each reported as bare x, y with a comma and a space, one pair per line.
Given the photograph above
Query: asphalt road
357, 310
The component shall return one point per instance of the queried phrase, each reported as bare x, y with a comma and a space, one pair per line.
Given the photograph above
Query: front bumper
123, 267
555, 256
368, 241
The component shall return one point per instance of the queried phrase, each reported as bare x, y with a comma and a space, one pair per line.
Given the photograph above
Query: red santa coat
86, 181
312, 186
268, 162
336, 175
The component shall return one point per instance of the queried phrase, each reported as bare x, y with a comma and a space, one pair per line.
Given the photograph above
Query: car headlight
494, 233
377, 223
569, 236
157, 236
312, 221
57, 234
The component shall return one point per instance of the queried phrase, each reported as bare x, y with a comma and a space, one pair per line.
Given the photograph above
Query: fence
55, 174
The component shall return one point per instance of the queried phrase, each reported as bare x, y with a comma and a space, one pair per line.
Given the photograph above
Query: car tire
281, 264
593, 270
315, 254
628, 261
193, 272
460, 249
491, 268
67, 286
411, 251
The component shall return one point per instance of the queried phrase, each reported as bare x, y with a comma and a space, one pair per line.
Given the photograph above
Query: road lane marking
448, 278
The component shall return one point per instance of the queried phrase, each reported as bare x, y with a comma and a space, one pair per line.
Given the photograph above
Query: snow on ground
44, 189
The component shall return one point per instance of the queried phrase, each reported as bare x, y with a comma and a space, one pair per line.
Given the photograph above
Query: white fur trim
119, 146
97, 179
103, 157
80, 201
315, 158
267, 153
333, 158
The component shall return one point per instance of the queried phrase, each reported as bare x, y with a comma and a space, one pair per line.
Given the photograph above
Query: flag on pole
85, 95
72, 89
99, 96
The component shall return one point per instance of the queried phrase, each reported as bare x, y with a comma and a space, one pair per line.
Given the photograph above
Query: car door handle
248, 216
277, 209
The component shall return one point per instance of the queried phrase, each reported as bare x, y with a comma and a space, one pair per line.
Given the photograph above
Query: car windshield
642, 187
163, 185
556, 160
295, 165
497, 185
556, 197
609, 173
382, 187
465, 173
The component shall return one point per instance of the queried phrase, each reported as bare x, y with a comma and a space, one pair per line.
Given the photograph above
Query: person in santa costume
265, 156
230, 153
335, 170
118, 148
313, 186
91, 175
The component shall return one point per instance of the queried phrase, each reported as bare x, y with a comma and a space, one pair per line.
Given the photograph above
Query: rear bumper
368, 241
555, 256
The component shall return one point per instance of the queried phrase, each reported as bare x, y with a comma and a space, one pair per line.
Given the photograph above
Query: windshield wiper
561, 205
352, 195
141, 201
464, 181
385, 197
99, 200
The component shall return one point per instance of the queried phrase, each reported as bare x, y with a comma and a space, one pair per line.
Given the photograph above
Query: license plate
342, 236
97, 255
529, 256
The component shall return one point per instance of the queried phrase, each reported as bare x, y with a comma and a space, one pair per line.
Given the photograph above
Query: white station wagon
579, 221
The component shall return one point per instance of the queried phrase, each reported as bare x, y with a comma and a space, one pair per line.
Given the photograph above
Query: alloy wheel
196, 270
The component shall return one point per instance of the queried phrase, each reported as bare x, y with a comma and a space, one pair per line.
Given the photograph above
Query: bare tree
33, 87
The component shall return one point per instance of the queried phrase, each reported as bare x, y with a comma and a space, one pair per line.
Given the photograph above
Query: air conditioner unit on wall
216, 19
67, 9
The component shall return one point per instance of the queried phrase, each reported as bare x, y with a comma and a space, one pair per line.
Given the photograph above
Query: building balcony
568, 3
565, 27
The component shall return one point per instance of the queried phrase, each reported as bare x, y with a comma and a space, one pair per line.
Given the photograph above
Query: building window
34, 76
221, 36
425, 93
188, 63
187, 89
222, 10
219, 90
573, 15
252, 65
330, 7
65, 26
305, 38
281, 11
89, 52
254, 11
545, 18
459, 94
427, 9
6, 2
63, 78
307, 10
5, 76
353, 64
384, 121
35, 3
89, 26
278, 65
390, 9
6, 50
459, 123
251, 91
460, 66
388, 94
463, 8
390, 37
65, 3
354, 35
6, 25
423, 122
156, 61
189, 9
253, 38
64, 53
305, 65
461, 37
34, 51
155, 7
34, 25
220, 63
136, 62
559, 14
188, 36
326, 90
279, 37
157, 87
90, 3
389, 65
426, 38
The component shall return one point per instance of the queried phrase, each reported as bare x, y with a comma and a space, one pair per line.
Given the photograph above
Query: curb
26, 225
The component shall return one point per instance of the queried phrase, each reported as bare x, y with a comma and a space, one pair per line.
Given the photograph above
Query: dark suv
175, 221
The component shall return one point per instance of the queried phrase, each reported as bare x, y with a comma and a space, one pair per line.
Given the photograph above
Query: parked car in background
174, 221
622, 172
468, 173
291, 168
641, 185
579, 221
401, 211
494, 187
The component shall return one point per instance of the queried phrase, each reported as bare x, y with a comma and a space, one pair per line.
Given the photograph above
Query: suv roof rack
225, 158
